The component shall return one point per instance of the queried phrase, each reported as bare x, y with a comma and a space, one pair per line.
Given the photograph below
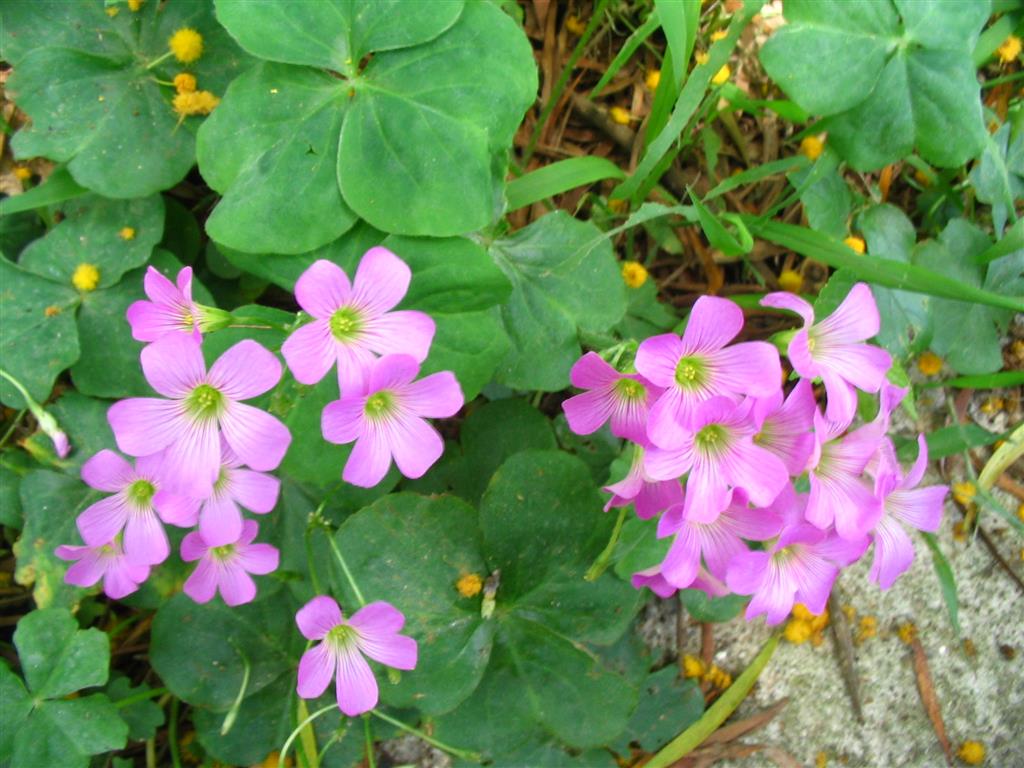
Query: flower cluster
383, 406
718, 447
201, 456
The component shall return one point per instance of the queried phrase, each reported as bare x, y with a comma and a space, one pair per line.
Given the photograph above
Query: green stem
159, 59
298, 729
309, 561
172, 733
368, 730
345, 570
129, 700
232, 715
14, 425
716, 714
463, 754
601, 563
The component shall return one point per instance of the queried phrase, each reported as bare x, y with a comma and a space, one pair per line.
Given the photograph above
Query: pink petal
916, 471
192, 462
720, 546
259, 439
406, 332
894, 553
193, 547
392, 372
354, 364
396, 651
220, 521
437, 396
173, 365
122, 580
750, 368
856, 319
356, 687
666, 417
588, 412
255, 491
842, 398
661, 464
759, 472
88, 570
323, 289
377, 619
654, 581
201, 585
814, 578
415, 445
382, 280
260, 559
246, 370
712, 324
747, 571
236, 586
146, 425
752, 524
145, 541
158, 288
591, 371
316, 668
863, 365
343, 421
369, 461
249, 530
707, 493
184, 282
99, 523
799, 354
177, 509
657, 358
106, 471
318, 617
150, 322
920, 507
656, 496
784, 300
310, 352
682, 562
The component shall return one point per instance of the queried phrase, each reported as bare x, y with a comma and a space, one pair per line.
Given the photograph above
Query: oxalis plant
290, 394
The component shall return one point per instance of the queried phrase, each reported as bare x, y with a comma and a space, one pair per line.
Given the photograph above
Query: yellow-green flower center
141, 493
712, 439
630, 389
379, 404
341, 636
691, 373
223, 552
205, 402
346, 324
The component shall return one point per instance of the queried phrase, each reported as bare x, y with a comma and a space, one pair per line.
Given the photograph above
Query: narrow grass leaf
947, 582
679, 20
634, 41
559, 177
758, 173
57, 188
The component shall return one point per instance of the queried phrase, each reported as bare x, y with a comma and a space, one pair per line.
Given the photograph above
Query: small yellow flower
797, 631
692, 666
700, 57
618, 205
922, 178
112, 11
469, 584
186, 44
22, 172
993, 405
619, 115
791, 280
575, 25
811, 147
1009, 50
906, 633
634, 274
965, 492
195, 103
652, 79
135, 5
721, 76
86, 277
719, 35
929, 364
867, 629
855, 244
184, 82
971, 752
718, 677
820, 759
126, 233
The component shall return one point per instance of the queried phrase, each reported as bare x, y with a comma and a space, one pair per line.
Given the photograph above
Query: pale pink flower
648, 496
201, 406
106, 561
623, 398
386, 419
834, 349
784, 428
372, 630
227, 567
653, 579
699, 366
354, 322
170, 308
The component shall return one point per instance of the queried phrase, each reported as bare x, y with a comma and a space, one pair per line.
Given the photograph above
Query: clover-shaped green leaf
892, 75
539, 526
57, 658
998, 176
406, 140
97, 88
547, 263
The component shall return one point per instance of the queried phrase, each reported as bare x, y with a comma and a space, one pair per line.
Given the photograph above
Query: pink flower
136, 508
833, 349
902, 504
699, 366
649, 496
372, 630
61, 446
354, 322
624, 398
170, 308
386, 420
107, 561
716, 543
784, 428
800, 567
840, 495
718, 451
653, 579
219, 516
201, 407
227, 567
